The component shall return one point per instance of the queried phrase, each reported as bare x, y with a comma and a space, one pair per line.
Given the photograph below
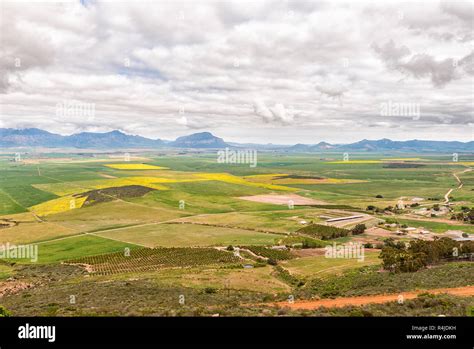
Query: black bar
356, 332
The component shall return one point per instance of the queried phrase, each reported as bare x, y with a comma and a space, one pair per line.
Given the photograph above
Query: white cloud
320, 69
276, 114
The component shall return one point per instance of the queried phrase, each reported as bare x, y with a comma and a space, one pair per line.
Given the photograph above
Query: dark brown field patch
402, 165
112, 193
297, 177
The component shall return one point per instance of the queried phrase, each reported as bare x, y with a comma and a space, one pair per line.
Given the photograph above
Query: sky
281, 72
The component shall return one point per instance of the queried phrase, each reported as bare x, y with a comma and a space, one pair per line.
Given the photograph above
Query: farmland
232, 238
154, 258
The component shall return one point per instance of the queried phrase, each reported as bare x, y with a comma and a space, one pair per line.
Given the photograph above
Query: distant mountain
268, 146
304, 148
199, 140
324, 145
385, 144
33, 137
413, 145
307, 148
114, 139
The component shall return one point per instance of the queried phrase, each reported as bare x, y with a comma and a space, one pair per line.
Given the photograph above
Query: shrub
272, 261
4, 312
358, 229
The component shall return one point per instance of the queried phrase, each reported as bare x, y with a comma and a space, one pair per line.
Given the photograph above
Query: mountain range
33, 137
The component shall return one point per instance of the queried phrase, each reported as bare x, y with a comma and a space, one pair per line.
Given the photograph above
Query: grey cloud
463, 10
75, 53
332, 91
390, 53
193, 124
422, 65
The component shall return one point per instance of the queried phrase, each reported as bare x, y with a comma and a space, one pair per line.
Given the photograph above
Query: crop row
145, 259
279, 255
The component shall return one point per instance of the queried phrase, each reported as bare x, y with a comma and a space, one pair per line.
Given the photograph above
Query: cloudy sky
249, 71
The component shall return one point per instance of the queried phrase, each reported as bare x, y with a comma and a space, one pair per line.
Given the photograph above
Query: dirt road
460, 185
374, 299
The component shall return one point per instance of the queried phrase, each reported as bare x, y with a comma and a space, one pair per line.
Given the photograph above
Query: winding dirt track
460, 184
374, 299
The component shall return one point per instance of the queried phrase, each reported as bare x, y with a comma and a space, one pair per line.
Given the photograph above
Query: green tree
359, 229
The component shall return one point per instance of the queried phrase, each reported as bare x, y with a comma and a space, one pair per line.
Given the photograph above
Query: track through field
373, 299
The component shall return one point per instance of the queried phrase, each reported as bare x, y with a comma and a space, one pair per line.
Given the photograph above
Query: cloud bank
281, 72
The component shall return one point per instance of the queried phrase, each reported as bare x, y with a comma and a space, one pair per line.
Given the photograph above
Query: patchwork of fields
153, 217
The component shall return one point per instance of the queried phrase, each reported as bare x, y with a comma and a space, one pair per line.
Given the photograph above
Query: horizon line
189, 134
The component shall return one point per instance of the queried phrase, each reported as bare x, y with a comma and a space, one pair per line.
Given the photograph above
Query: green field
437, 227
75, 247
78, 210
321, 267
187, 235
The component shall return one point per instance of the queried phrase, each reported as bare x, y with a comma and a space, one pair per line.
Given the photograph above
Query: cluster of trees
410, 257
327, 232
387, 209
466, 215
358, 229
323, 232
374, 208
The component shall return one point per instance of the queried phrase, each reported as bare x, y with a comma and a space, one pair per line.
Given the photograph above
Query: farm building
344, 218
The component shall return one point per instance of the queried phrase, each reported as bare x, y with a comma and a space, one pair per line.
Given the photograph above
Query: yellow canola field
228, 178
317, 181
58, 205
135, 167
68, 201
403, 159
278, 179
77, 187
